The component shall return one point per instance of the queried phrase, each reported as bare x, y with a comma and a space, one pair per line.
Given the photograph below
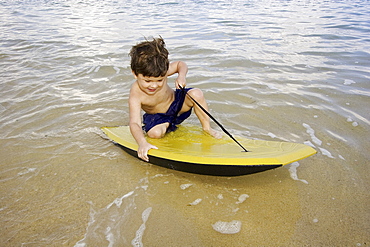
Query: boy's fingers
145, 158
144, 154
180, 84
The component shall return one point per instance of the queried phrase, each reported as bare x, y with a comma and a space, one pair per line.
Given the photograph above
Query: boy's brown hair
150, 58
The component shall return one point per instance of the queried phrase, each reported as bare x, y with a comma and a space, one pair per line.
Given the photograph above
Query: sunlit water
293, 71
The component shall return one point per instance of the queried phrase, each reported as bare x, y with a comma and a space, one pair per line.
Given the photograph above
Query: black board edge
204, 169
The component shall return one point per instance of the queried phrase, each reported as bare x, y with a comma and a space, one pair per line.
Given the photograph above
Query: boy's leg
158, 131
197, 94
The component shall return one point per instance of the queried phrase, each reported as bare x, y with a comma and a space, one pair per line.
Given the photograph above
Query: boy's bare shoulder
135, 92
134, 87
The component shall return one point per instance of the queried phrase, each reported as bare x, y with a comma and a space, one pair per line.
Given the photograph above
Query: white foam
326, 152
272, 87
235, 210
90, 70
107, 223
81, 243
271, 135
336, 136
185, 186
220, 196
309, 144
227, 227
158, 175
196, 202
118, 201
26, 171
109, 236
311, 132
116, 69
348, 82
97, 69
354, 123
137, 241
242, 198
293, 172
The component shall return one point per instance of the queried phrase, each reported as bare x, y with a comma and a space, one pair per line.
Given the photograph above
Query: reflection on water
292, 71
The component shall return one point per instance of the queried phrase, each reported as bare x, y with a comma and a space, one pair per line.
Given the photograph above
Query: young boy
164, 107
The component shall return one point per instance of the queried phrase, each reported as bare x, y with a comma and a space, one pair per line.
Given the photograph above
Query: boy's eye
148, 81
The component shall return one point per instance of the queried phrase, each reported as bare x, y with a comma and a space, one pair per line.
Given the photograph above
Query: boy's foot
214, 133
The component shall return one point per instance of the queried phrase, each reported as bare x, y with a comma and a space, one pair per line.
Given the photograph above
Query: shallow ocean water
293, 71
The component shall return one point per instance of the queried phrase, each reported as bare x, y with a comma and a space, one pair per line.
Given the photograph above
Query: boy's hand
142, 152
180, 81
181, 69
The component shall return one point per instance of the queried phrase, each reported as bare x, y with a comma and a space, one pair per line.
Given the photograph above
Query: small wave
242, 198
227, 227
137, 241
185, 186
112, 220
311, 132
293, 172
195, 202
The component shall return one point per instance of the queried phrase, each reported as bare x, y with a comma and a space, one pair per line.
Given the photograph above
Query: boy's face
150, 85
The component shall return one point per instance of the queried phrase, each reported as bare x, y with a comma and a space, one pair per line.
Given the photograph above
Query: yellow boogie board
189, 149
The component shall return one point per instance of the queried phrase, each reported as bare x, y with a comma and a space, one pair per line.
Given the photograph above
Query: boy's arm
182, 69
136, 130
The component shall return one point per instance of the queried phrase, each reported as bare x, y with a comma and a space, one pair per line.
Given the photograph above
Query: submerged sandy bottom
111, 199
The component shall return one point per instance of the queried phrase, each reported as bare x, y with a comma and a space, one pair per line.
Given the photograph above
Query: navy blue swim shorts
171, 116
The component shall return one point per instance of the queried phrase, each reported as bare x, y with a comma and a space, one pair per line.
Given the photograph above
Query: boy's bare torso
155, 103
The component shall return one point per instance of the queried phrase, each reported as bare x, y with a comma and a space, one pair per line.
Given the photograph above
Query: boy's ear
134, 74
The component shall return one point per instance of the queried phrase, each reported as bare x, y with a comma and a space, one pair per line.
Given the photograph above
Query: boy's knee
196, 93
158, 131
156, 134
